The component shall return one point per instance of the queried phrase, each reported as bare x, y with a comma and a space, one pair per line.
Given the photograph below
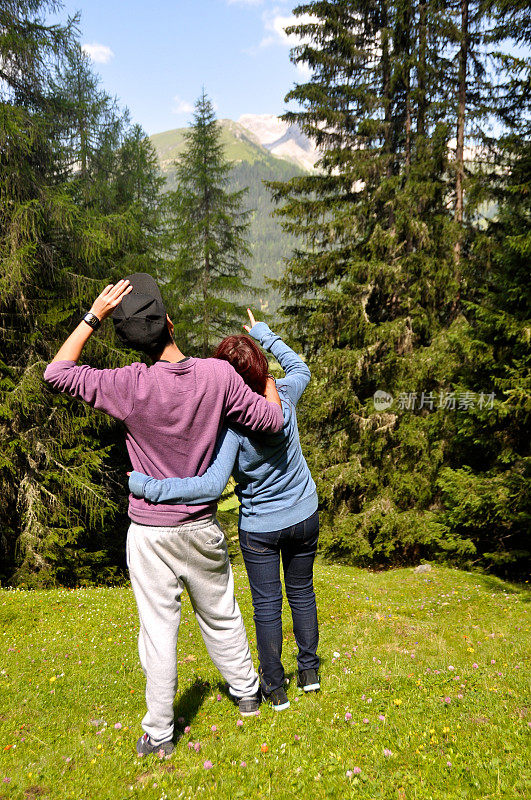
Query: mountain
252, 163
282, 140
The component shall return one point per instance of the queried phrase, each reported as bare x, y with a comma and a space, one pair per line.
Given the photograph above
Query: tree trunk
206, 313
461, 110
388, 110
386, 92
421, 73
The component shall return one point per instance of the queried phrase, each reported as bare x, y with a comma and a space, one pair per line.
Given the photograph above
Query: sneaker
278, 699
308, 679
145, 747
249, 705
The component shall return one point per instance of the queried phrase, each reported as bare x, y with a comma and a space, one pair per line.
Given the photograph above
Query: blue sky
156, 56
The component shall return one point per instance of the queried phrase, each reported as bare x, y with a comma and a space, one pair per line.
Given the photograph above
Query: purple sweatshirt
172, 414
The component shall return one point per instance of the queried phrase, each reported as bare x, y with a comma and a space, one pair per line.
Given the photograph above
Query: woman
278, 510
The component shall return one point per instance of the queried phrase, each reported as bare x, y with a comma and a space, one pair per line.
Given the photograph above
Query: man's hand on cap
111, 297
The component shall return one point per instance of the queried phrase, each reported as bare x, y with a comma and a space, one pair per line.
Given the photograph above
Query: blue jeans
261, 552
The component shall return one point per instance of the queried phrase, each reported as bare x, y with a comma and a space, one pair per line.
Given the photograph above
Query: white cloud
99, 53
181, 106
275, 33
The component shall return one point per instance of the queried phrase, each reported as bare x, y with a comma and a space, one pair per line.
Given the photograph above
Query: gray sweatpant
162, 561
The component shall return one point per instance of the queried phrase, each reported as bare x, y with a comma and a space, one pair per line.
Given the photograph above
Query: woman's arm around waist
192, 491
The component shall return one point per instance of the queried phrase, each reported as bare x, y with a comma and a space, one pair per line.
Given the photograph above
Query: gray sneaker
249, 705
145, 747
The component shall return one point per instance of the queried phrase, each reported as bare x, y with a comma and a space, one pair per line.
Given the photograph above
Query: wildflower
197, 747
356, 770
297, 738
397, 701
187, 729
243, 763
450, 667
447, 700
218, 698
381, 717
459, 696
213, 728
448, 763
349, 773
365, 721
239, 723
493, 661
387, 753
264, 748
348, 716
474, 665
336, 654
190, 745
7, 780
446, 730
118, 726
208, 764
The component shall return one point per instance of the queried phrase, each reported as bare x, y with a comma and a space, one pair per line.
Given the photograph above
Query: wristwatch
92, 320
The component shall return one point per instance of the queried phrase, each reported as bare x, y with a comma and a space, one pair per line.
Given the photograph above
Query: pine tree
67, 221
376, 296
206, 245
486, 485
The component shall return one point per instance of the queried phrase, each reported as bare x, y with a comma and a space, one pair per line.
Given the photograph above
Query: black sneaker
278, 699
308, 679
249, 705
145, 747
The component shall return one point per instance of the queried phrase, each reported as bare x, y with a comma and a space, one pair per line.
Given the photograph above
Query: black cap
140, 319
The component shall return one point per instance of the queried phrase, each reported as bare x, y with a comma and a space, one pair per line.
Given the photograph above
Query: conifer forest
407, 288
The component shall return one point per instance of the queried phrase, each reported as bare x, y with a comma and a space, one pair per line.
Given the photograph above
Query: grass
425, 695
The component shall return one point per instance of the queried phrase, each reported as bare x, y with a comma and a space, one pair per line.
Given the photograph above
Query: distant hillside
252, 164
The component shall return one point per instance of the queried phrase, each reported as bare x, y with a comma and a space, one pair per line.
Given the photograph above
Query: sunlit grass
425, 695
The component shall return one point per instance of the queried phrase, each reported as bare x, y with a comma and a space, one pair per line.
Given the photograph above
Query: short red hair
246, 358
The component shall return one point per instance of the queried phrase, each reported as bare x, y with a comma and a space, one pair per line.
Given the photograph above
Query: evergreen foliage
251, 166
378, 297
206, 243
409, 276
78, 198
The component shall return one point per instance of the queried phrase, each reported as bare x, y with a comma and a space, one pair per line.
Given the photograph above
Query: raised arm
191, 491
108, 390
297, 373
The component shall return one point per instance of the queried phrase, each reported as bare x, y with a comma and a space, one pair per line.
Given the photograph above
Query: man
172, 412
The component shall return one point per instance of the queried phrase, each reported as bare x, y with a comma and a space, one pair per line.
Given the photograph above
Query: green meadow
425, 694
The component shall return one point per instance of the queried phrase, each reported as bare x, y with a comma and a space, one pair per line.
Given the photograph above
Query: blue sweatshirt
273, 482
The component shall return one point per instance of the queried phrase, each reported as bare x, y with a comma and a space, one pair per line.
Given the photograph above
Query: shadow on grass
189, 703
493, 584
